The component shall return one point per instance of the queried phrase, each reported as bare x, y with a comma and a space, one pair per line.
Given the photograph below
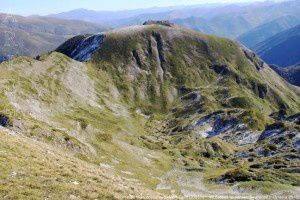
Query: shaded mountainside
265, 31
30, 36
290, 74
177, 112
282, 49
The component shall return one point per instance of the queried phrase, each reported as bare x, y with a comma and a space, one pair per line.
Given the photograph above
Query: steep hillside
44, 171
290, 74
265, 31
177, 112
282, 49
30, 36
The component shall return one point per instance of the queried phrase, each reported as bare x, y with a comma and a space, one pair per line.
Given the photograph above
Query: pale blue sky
43, 7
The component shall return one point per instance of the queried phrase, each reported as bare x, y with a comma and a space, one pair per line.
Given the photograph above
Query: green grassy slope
125, 112
44, 101
34, 170
188, 59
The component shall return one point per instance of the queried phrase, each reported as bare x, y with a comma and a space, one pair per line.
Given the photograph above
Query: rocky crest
157, 22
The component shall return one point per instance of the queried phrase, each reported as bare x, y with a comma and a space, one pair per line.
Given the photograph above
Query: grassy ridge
127, 110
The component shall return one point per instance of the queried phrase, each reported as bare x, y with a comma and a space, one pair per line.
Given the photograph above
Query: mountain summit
149, 111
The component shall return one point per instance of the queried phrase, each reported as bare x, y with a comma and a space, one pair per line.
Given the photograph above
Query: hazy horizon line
221, 2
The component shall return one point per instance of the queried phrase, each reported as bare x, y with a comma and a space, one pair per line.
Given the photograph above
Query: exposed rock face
82, 47
4, 121
280, 115
192, 97
136, 58
259, 64
4, 58
163, 23
272, 130
220, 69
87, 47
280, 138
160, 48
260, 89
294, 118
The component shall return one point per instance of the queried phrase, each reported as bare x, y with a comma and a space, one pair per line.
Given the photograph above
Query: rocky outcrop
259, 64
4, 58
192, 97
137, 58
220, 69
280, 115
4, 121
260, 89
157, 22
82, 47
294, 118
160, 48
271, 130
87, 47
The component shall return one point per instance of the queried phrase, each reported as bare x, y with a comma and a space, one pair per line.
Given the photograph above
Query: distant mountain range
282, 49
228, 20
265, 31
29, 36
104, 17
239, 20
134, 17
